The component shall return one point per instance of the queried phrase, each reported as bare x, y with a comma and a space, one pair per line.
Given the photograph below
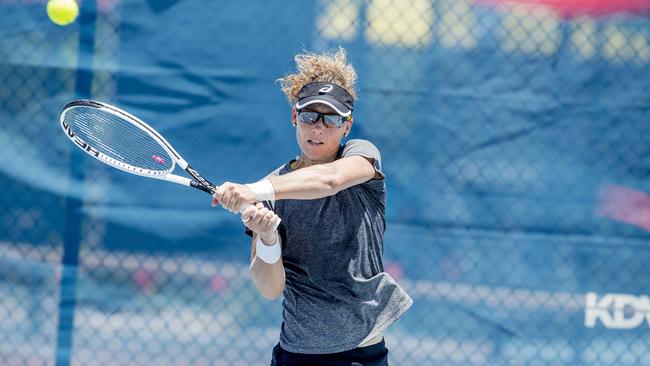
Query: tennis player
326, 257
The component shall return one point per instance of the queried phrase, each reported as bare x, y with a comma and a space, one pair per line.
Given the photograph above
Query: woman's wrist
269, 238
263, 190
269, 252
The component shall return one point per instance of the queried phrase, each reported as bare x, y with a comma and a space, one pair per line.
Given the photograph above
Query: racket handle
197, 185
211, 191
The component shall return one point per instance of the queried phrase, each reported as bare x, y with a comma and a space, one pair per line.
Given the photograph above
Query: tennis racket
123, 141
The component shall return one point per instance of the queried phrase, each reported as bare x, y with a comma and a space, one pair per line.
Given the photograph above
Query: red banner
572, 8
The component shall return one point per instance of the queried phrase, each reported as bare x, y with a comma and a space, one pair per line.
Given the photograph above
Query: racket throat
198, 182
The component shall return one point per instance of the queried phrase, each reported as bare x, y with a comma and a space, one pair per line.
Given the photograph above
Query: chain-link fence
514, 136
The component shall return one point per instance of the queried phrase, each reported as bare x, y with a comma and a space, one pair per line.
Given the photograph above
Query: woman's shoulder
359, 142
282, 169
360, 147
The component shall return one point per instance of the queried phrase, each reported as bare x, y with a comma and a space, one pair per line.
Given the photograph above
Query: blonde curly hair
330, 67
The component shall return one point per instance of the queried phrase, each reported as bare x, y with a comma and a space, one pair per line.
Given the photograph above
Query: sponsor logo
158, 159
326, 89
617, 311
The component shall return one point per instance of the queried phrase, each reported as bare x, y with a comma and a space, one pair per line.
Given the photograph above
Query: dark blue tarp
502, 165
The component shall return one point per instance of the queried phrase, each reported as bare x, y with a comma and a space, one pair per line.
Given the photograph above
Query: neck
304, 161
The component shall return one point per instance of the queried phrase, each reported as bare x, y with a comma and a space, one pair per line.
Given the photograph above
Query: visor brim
337, 106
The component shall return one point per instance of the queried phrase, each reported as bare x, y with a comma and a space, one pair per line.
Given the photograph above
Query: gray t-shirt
337, 294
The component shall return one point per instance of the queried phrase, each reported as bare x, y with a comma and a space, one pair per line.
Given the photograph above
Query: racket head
117, 138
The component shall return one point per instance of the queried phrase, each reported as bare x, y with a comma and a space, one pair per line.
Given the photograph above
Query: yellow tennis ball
62, 12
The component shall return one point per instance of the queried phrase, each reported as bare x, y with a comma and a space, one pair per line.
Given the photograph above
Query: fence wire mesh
515, 142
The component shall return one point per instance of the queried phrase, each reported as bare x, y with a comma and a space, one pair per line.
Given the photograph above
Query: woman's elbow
270, 285
271, 292
333, 182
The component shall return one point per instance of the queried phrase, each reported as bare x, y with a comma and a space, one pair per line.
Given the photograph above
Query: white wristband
263, 190
268, 253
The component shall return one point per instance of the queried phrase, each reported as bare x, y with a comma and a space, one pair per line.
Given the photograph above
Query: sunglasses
330, 120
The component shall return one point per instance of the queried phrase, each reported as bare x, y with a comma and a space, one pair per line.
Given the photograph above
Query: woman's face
319, 142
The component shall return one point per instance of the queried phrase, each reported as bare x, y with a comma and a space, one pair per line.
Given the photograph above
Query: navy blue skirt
374, 355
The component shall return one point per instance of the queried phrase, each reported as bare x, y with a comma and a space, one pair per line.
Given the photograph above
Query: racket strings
118, 138
95, 142
134, 138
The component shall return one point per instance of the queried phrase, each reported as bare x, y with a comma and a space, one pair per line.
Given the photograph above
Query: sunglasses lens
333, 120
308, 117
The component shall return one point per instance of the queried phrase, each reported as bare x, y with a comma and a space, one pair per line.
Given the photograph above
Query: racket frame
198, 181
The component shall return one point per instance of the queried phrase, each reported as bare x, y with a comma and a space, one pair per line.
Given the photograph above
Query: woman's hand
261, 221
233, 197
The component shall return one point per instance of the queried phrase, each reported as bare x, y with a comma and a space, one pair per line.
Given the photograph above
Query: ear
293, 116
349, 127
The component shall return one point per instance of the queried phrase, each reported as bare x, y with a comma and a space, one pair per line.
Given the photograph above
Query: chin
315, 153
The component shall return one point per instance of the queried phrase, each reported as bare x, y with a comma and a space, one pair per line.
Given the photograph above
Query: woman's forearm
268, 278
322, 180
308, 183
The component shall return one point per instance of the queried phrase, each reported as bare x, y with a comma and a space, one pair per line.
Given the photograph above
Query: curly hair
329, 67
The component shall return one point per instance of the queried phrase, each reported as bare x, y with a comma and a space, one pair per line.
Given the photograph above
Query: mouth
314, 142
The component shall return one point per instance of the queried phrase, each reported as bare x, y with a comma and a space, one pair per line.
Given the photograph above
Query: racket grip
197, 185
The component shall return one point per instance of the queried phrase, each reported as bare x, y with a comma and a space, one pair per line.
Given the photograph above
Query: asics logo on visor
326, 89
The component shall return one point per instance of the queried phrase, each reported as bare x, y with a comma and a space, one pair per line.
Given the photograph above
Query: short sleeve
365, 148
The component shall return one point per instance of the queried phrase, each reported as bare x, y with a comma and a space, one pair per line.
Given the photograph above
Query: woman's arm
268, 277
323, 180
312, 182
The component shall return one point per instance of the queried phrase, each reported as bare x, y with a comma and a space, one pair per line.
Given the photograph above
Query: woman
326, 257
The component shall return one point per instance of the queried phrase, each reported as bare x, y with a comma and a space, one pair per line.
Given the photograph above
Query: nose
320, 122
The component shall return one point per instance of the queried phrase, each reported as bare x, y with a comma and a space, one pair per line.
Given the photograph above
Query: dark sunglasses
330, 120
